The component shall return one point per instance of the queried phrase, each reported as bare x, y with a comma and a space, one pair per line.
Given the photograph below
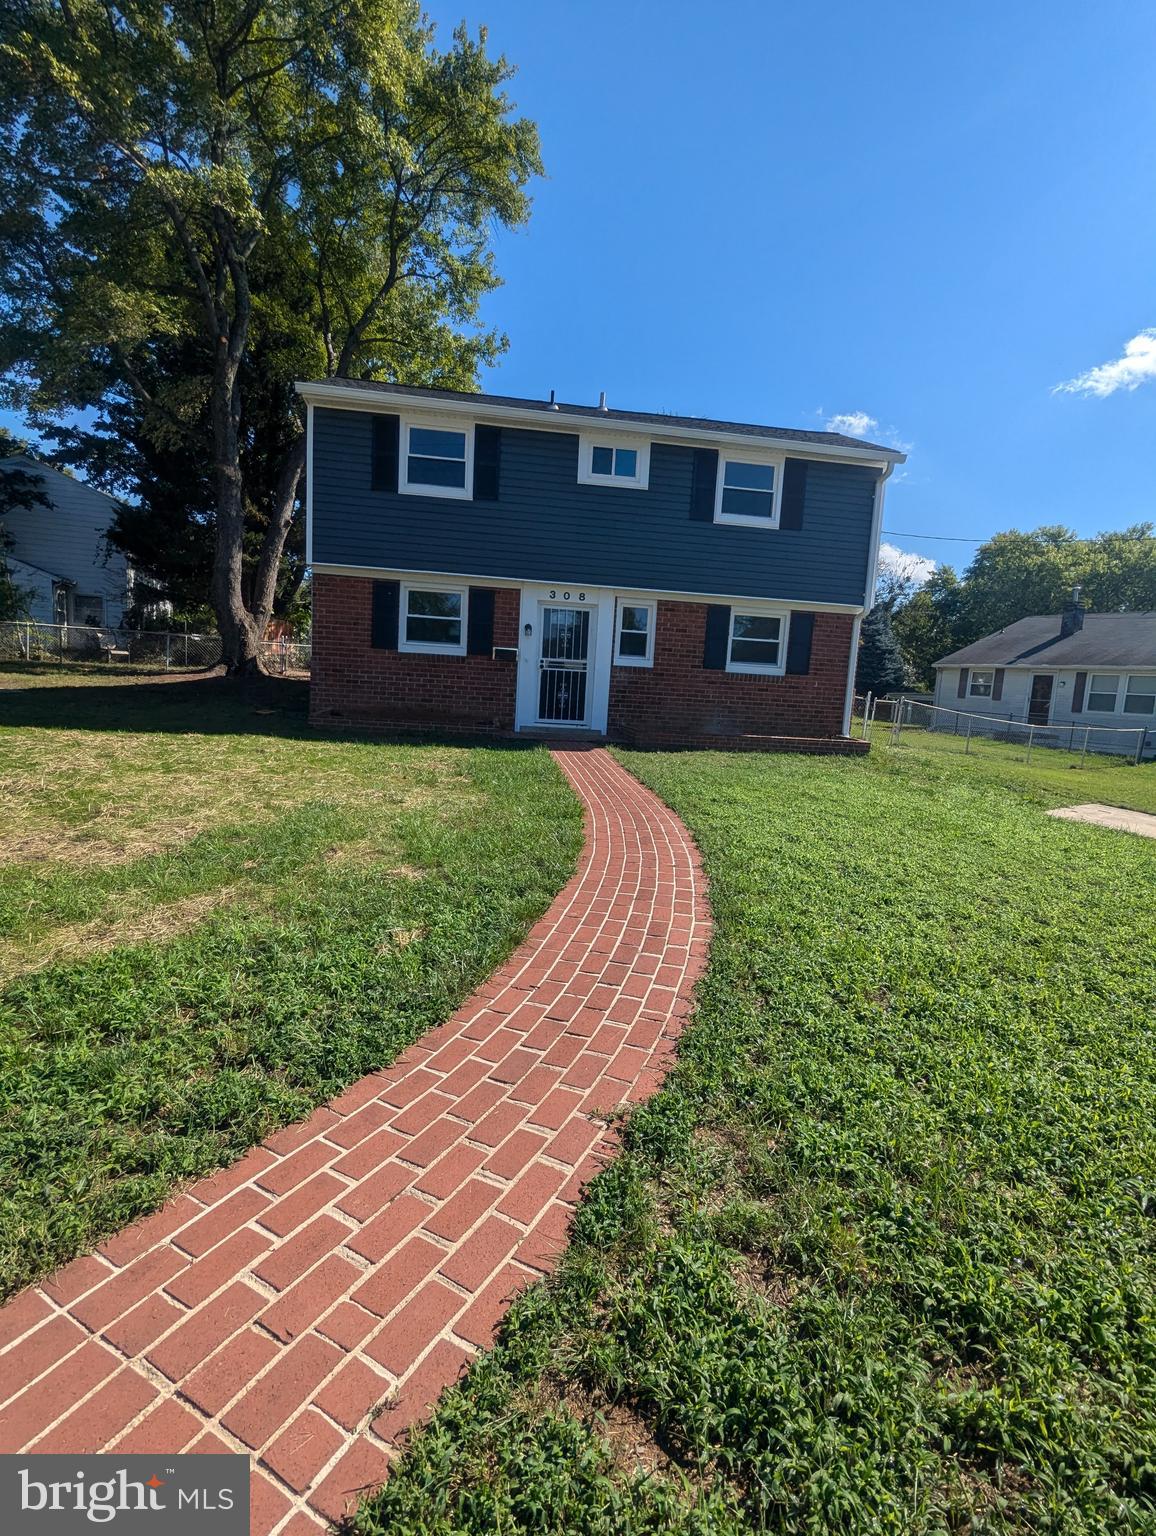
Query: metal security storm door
563, 681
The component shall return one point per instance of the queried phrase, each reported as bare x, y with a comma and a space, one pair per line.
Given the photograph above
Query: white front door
563, 658
564, 665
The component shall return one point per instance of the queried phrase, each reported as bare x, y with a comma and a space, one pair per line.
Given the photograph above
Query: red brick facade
676, 702
355, 684
679, 702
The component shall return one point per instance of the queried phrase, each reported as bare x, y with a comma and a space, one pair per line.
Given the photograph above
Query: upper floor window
624, 463
748, 492
436, 461
1103, 688
433, 619
981, 684
634, 635
1140, 696
758, 642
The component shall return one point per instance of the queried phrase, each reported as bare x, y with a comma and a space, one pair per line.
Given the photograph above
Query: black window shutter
702, 484
383, 620
487, 462
718, 637
799, 635
1078, 693
997, 685
961, 686
794, 494
480, 623
383, 453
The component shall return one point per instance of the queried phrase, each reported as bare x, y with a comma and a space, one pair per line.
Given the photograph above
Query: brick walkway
309, 1303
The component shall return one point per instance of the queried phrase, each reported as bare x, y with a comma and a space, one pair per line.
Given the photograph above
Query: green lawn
212, 919
881, 1257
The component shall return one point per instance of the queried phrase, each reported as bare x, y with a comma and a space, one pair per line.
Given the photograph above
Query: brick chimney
1072, 618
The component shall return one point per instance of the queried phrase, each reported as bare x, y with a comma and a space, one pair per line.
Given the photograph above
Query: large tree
210, 198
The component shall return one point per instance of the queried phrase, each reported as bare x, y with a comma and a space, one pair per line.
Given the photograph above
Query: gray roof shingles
1106, 640
642, 418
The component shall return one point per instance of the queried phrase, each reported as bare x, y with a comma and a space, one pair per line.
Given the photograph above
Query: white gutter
341, 396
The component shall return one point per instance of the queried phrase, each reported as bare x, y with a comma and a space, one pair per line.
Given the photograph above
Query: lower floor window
1140, 696
87, 608
433, 619
981, 685
634, 643
756, 642
1102, 690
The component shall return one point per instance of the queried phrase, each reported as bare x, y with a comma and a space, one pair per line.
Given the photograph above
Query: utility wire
942, 538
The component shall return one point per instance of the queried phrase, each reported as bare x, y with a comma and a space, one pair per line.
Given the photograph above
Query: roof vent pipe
602, 401
1072, 618
553, 405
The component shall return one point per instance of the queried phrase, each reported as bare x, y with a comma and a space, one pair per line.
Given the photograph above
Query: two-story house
482, 562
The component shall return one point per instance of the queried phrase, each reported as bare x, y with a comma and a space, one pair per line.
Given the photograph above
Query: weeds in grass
881, 1255
176, 1007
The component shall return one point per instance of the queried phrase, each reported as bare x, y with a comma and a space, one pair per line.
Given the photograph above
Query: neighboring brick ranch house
487, 563
1071, 671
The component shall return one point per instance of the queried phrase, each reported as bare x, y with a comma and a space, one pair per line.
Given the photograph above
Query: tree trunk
280, 522
240, 635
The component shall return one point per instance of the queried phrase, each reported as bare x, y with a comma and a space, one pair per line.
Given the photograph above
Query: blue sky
786, 212
925, 215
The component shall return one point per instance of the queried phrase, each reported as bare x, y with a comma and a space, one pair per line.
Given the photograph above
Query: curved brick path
312, 1301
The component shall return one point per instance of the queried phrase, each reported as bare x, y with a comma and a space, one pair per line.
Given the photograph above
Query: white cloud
853, 423
1135, 367
902, 566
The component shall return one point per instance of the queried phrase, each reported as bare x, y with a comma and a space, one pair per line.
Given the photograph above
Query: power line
941, 538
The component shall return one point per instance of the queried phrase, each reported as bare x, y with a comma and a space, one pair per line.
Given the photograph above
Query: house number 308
566, 596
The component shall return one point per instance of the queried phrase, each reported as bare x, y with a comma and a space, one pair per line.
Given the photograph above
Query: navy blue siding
546, 527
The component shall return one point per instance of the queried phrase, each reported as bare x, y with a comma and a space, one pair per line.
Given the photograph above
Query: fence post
896, 722
1084, 752
1141, 737
168, 648
867, 716
967, 743
1031, 738
186, 650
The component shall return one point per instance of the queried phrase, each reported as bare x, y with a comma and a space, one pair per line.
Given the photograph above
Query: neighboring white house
59, 554
1066, 669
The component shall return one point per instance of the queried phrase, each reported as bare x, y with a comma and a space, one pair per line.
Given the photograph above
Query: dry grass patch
135, 923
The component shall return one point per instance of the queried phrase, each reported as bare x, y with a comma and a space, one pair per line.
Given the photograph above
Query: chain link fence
893, 721
162, 650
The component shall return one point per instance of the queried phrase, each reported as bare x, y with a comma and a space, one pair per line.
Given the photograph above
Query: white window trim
427, 647
588, 441
1149, 685
756, 668
1117, 678
635, 661
988, 672
735, 520
452, 424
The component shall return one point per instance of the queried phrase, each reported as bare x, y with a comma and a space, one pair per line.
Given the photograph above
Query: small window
634, 642
436, 461
87, 608
433, 619
757, 642
1103, 688
1140, 696
622, 464
748, 493
981, 685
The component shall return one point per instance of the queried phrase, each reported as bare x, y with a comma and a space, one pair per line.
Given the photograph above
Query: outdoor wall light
527, 630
